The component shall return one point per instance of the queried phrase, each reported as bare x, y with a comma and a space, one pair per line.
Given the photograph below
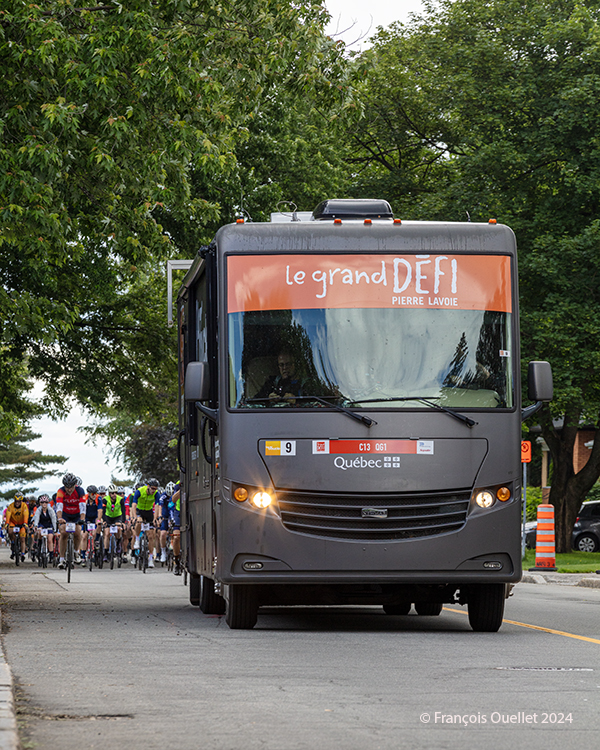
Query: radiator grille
339, 516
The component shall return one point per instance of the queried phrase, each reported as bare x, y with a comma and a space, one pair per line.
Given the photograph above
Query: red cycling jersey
73, 503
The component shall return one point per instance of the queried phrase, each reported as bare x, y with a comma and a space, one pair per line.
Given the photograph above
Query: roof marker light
492, 221
337, 221
368, 221
239, 221
397, 221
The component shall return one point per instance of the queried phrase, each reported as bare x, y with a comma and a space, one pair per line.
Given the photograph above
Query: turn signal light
241, 494
503, 494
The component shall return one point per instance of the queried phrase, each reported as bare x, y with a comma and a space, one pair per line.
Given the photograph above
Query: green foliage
534, 498
21, 468
122, 136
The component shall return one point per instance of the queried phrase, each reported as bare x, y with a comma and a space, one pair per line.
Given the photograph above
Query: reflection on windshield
370, 357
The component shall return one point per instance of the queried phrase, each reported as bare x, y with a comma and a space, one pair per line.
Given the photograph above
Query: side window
595, 510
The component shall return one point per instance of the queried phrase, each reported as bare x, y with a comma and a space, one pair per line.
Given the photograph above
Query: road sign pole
524, 509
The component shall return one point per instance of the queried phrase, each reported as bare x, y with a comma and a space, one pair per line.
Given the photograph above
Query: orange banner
294, 282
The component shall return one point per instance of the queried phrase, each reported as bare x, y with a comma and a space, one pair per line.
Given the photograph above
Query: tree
488, 108
107, 114
21, 467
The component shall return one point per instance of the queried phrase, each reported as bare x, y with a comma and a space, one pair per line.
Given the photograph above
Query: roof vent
353, 208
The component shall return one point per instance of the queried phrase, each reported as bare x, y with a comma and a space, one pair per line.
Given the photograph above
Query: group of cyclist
98, 511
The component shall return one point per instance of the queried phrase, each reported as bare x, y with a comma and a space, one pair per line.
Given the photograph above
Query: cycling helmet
170, 488
19, 496
92, 489
112, 488
43, 499
69, 480
152, 483
102, 489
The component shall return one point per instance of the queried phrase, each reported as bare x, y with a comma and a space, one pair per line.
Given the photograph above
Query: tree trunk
568, 490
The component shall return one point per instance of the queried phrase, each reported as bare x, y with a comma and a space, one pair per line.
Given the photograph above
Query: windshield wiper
321, 399
429, 400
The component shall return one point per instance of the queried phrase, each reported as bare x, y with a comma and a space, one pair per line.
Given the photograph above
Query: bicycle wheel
17, 550
144, 552
111, 551
70, 556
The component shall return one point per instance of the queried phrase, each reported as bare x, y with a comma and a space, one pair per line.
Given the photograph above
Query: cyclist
70, 508
93, 514
45, 518
142, 509
166, 506
17, 514
114, 515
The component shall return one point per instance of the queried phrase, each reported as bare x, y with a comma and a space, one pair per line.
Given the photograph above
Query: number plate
91, 527
70, 527
145, 527
16, 529
114, 529
44, 532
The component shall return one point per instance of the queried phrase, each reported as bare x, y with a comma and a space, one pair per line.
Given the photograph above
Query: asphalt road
119, 659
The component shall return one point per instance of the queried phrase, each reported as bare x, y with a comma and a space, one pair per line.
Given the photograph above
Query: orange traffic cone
545, 549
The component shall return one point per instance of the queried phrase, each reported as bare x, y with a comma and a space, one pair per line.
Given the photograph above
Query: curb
590, 583
9, 736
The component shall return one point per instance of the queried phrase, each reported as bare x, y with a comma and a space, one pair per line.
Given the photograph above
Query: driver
284, 386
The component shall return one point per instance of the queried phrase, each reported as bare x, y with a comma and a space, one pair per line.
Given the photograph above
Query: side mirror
539, 381
196, 381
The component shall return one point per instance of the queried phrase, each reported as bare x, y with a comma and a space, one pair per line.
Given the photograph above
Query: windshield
367, 356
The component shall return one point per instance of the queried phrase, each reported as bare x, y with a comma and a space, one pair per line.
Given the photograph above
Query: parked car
586, 531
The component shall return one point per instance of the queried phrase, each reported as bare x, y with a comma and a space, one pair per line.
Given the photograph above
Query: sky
354, 21
357, 19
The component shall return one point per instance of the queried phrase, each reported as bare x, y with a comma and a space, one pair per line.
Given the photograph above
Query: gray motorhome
350, 415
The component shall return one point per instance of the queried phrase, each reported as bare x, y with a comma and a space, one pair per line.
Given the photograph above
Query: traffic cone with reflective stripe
545, 549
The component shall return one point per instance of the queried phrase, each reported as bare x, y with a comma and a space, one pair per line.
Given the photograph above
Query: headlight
484, 499
261, 499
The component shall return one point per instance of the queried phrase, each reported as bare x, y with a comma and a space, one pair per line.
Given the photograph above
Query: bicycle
92, 555
70, 554
114, 548
42, 551
15, 544
144, 550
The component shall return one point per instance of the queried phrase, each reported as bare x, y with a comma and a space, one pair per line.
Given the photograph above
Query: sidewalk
9, 737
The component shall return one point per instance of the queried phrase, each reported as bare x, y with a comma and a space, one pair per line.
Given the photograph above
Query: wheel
486, 606
586, 543
90, 559
195, 585
242, 607
210, 603
111, 554
397, 609
69, 560
428, 609
144, 553
17, 551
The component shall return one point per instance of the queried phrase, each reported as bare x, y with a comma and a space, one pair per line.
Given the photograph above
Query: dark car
586, 531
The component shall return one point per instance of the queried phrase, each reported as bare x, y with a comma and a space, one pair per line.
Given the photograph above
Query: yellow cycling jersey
17, 516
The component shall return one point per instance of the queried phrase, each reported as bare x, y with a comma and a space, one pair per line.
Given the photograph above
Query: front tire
242, 607
210, 603
486, 606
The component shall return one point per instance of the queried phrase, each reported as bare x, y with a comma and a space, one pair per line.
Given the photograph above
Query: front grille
410, 515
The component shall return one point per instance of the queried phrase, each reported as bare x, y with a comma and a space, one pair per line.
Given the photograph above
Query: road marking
536, 627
